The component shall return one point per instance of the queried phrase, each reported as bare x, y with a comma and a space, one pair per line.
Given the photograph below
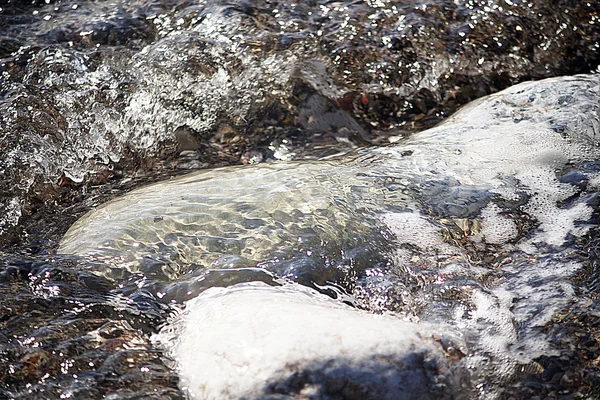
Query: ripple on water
495, 275
93, 86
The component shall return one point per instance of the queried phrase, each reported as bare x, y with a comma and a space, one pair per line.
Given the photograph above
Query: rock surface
256, 341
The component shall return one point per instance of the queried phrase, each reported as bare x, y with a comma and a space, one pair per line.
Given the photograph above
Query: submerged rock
504, 147
94, 90
470, 226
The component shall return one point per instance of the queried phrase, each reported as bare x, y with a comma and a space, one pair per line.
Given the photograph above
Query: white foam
496, 229
594, 182
412, 228
234, 342
493, 317
555, 223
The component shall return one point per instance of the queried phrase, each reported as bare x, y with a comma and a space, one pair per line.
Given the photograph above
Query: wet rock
292, 341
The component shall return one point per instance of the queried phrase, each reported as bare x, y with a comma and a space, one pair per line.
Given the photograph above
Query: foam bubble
496, 229
412, 228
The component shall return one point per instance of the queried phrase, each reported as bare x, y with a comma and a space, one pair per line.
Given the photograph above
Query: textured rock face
470, 226
94, 90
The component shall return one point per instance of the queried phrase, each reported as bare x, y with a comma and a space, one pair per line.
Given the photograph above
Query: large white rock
250, 341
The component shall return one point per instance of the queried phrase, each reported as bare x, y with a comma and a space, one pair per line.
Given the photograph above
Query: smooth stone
253, 340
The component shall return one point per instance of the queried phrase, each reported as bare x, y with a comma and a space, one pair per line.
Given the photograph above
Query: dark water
97, 97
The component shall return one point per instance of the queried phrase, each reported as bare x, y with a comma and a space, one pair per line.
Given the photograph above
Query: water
99, 97
320, 223
99, 89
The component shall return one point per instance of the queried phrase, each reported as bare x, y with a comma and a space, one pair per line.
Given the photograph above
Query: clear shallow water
94, 90
98, 97
349, 226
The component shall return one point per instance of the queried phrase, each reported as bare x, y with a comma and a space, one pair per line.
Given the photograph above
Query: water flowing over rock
471, 224
98, 90
478, 239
